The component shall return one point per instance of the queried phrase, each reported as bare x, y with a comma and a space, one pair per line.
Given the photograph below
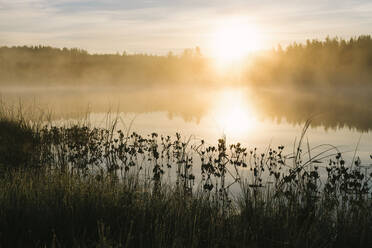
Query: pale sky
158, 26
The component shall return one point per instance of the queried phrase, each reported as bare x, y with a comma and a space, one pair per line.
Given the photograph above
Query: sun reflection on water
233, 114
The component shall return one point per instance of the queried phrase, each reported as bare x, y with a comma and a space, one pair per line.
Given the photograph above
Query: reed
80, 186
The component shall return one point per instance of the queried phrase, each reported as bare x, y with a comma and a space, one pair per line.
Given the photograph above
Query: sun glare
233, 115
233, 41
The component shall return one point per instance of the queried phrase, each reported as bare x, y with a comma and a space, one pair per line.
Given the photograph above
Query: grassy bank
79, 186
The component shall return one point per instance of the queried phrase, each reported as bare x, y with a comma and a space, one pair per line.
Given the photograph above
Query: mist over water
261, 101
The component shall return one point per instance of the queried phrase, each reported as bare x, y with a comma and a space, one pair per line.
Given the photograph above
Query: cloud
156, 26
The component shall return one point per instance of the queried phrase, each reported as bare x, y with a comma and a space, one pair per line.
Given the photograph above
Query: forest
333, 62
44, 65
316, 63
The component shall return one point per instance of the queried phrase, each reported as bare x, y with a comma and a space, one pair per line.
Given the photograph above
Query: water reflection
233, 113
344, 108
233, 110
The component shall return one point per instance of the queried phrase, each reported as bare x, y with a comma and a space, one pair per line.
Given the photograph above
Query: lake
254, 117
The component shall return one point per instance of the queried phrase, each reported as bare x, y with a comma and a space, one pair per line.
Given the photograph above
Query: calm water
256, 118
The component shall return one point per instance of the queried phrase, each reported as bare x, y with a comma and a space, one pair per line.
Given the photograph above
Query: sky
159, 26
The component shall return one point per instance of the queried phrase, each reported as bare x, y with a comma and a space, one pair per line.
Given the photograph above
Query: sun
235, 40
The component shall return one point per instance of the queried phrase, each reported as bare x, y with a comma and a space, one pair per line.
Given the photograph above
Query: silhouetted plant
115, 184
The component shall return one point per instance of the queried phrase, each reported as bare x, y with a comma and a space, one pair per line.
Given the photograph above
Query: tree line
314, 64
44, 65
331, 62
